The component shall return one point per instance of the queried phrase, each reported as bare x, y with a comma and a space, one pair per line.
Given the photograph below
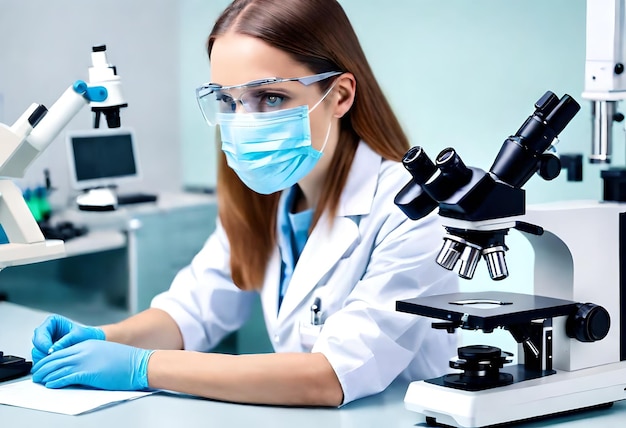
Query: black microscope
572, 354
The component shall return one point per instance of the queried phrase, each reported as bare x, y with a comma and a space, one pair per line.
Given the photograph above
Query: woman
306, 219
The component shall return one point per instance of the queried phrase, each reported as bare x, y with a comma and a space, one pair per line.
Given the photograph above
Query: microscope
571, 331
20, 144
572, 349
105, 74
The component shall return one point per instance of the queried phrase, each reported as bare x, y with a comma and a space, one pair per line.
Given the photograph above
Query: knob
549, 166
589, 323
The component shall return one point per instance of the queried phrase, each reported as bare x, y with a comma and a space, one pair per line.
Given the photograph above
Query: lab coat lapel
324, 248
328, 242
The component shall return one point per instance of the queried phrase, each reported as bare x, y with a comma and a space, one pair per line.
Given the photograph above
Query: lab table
168, 409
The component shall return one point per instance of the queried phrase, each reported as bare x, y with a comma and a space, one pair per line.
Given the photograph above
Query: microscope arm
20, 145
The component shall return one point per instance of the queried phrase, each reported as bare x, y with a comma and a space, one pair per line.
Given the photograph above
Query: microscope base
557, 393
19, 254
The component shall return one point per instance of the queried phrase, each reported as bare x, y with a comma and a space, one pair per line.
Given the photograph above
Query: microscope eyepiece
450, 162
417, 162
520, 155
562, 114
453, 168
482, 206
546, 103
446, 156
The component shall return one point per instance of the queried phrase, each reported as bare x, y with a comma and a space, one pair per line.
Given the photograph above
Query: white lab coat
371, 256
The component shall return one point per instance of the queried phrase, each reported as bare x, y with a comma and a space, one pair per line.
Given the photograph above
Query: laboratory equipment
100, 161
605, 85
105, 74
570, 331
12, 367
21, 144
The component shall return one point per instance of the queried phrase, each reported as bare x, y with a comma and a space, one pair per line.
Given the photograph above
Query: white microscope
572, 330
20, 144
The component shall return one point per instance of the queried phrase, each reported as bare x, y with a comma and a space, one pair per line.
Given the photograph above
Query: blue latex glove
96, 363
58, 332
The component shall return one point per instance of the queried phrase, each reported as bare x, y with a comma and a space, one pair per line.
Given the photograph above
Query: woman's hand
58, 332
95, 363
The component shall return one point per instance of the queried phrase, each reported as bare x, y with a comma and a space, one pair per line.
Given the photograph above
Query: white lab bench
129, 254
167, 410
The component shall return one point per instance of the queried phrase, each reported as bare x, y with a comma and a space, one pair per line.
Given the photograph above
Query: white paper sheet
68, 401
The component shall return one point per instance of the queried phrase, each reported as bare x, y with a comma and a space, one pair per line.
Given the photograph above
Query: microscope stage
486, 310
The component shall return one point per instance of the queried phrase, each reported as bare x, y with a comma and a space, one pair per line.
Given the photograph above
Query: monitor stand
98, 199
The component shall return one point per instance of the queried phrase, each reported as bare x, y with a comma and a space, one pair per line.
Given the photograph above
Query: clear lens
259, 99
207, 103
265, 95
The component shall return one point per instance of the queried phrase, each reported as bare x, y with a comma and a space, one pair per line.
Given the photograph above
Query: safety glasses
263, 95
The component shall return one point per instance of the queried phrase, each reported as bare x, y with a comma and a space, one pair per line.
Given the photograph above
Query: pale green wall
198, 156
467, 73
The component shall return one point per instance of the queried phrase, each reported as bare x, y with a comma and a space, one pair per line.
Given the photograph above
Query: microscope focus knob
549, 167
589, 323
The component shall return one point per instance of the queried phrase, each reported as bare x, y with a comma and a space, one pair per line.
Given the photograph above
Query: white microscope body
577, 258
22, 142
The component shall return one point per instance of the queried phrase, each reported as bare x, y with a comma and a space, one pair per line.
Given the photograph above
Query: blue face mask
269, 151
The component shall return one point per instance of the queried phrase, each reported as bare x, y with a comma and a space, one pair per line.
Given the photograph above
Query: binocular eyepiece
522, 154
474, 196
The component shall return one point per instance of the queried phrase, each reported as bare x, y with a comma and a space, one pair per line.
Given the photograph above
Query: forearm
150, 329
298, 379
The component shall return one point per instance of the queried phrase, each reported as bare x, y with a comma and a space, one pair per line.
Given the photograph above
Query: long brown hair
318, 34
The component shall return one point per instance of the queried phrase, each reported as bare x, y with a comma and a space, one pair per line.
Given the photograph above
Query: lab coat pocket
309, 334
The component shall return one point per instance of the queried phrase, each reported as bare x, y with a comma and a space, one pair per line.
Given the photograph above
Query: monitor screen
102, 157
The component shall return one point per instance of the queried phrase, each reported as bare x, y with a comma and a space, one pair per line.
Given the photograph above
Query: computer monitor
103, 157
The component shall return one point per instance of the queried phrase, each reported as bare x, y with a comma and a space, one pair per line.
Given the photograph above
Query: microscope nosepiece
458, 251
